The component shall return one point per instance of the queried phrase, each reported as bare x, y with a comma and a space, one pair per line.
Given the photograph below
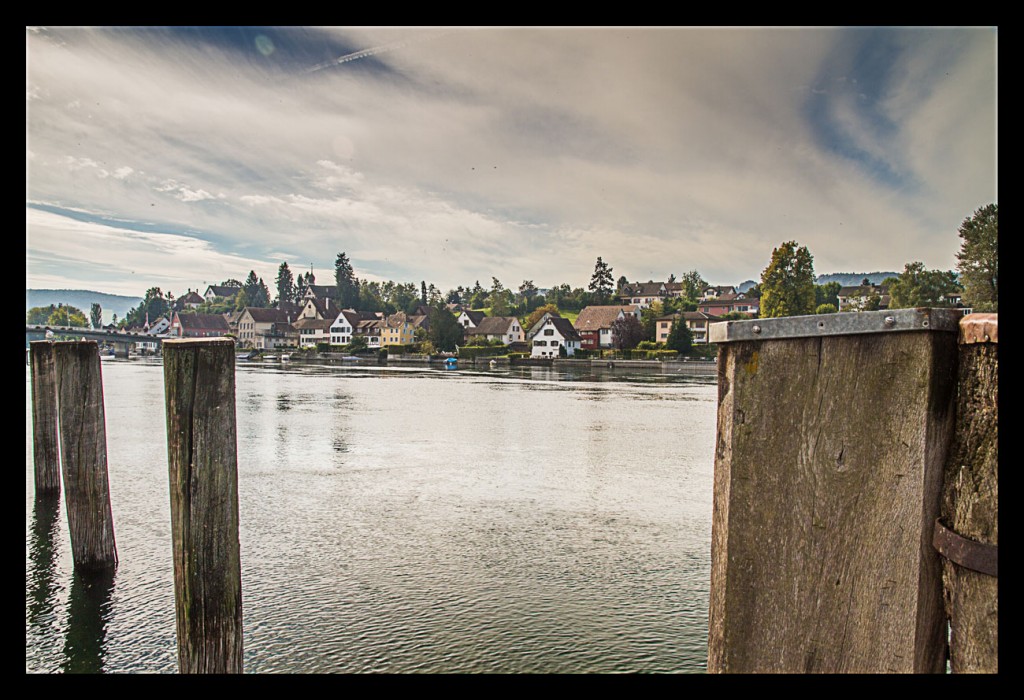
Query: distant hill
83, 299
853, 279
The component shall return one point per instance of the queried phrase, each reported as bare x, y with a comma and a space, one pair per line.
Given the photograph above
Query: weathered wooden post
45, 447
967, 533
199, 382
83, 453
832, 435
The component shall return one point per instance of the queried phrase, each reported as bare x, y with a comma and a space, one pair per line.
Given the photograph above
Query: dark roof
262, 315
651, 289
564, 327
324, 308
690, 316
475, 317
352, 317
207, 322
222, 291
321, 291
290, 307
492, 325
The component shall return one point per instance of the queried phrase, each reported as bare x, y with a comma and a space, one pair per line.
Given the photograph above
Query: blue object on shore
450, 363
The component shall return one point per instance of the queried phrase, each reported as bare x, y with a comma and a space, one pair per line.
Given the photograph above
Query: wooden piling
83, 453
45, 445
199, 381
970, 503
832, 435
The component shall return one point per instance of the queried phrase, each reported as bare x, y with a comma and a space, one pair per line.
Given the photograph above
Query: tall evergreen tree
346, 283
256, 292
978, 259
601, 282
787, 284
679, 338
96, 315
285, 284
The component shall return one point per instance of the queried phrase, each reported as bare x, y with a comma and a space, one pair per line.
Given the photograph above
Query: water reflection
88, 615
42, 582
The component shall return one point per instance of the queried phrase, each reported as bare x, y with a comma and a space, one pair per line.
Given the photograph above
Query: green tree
826, 309
679, 338
347, 286
531, 320
918, 286
827, 293
256, 293
96, 315
38, 315
66, 315
498, 299
693, 285
154, 305
787, 284
649, 319
601, 282
285, 283
444, 333
978, 259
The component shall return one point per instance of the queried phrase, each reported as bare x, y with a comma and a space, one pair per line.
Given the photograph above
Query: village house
192, 325
718, 292
696, 321
555, 333
320, 291
397, 329
312, 331
859, 298
594, 324
344, 327
471, 319
266, 329
189, 300
643, 294
220, 293
503, 328
729, 303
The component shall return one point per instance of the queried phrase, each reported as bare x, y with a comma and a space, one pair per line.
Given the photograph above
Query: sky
182, 157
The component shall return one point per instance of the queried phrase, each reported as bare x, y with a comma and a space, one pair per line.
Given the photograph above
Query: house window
549, 331
540, 343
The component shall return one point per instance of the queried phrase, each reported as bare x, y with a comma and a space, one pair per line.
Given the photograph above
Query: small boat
285, 358
451, 363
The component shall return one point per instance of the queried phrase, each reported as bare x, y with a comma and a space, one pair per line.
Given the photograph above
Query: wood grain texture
970, 507
45, 443
83, 453
828, 472
199, 378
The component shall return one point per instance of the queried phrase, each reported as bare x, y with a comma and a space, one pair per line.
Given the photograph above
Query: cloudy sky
181, 157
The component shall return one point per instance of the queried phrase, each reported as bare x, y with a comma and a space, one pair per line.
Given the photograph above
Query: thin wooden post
45, 446
83, 453
832, 434
970, 503
199, 381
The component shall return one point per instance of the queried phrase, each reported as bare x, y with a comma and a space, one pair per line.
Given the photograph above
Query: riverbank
694, 367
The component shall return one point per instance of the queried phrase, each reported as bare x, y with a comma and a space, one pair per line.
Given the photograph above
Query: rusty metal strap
970, 554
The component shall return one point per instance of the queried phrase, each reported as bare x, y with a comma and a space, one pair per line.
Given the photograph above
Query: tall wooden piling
199, 381
83, 453
45, 445
832, 436
967, 534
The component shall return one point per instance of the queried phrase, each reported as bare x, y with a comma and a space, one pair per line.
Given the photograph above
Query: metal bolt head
890, 321
756, 328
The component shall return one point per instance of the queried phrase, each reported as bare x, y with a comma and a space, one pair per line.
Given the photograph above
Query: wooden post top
979, 328
842, 323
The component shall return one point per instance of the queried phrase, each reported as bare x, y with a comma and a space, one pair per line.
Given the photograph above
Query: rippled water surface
409, 521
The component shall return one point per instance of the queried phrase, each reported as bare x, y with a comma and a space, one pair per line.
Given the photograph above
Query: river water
398, 520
